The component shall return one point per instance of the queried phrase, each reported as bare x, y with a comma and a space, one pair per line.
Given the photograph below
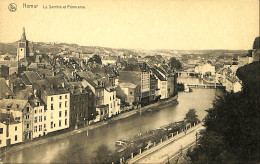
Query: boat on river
121, 143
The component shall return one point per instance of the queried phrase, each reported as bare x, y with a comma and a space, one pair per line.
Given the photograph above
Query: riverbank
88, 127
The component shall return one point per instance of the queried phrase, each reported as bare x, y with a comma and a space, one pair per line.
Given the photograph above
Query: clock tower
22, 49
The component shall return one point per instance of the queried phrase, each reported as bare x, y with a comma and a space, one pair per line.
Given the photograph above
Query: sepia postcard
129, 81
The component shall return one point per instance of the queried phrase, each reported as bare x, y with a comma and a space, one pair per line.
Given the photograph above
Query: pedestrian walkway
169, 148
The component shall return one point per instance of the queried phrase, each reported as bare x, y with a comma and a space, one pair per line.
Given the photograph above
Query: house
233, 84
97, 86
112, 101
161, 83
140, 76
82, 108
131, 92
57, 109
39, 117
22, 111
5, 91
29, 78
205, 69
11, 131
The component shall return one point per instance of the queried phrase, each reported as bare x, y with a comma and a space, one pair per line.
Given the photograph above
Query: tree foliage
103, 155
175, 64
95, 58
191, 116
232, 125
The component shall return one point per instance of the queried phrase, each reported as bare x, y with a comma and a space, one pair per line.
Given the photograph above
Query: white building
57, 110
161, 83
205, 68
11, 131
39, 118
233, 85
112, 101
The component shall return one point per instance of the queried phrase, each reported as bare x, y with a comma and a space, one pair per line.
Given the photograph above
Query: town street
169, 148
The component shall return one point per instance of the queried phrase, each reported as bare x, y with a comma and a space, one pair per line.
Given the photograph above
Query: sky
136, 24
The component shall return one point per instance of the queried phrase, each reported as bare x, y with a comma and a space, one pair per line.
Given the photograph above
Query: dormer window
38, 103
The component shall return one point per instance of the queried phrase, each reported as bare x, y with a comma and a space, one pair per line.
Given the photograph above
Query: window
44, 118
38, 103
65, 121
60, 114
44, 125
1, 130
113, 97
60, 123
51, 98
51, 125
27, 116
65, 112
131, 93
110, 98
15, 137
40, 128
40, 118
35, 111
27, 125
35, 120
60, 97
65, 103
28, 109
51, 106
65, 96
15, 128
35, 128
0, 142
60, 104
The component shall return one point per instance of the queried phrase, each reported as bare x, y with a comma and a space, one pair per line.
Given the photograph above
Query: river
84, 144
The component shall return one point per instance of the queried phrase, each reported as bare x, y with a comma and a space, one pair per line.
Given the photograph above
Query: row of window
60, 113
40, 128
60, 105
2, 130
35, 111
53, 125
40, 119
60, 97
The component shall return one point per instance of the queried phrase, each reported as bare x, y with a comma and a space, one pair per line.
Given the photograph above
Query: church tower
22, 49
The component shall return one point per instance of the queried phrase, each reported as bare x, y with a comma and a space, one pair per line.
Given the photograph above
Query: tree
95, 58
103, 155
191, 116
232, 124
175, 64
256, 44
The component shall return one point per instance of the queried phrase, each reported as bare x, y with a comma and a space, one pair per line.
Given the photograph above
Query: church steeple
22, 49
23, 35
